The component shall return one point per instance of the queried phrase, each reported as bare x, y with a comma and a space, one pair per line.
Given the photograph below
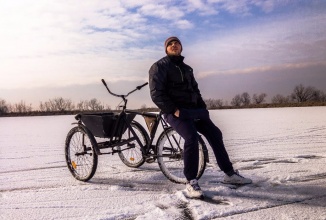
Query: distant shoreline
252, 106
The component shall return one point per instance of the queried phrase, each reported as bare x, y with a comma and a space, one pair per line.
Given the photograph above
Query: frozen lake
283, 150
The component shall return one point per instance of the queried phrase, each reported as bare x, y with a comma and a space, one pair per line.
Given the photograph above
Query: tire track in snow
32, 169
269, 207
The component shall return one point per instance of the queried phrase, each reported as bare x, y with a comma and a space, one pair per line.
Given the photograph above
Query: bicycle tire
133, 157
171, 163
80, 153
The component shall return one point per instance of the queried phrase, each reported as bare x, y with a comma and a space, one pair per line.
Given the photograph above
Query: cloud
184, 24
46, 43
271, 81
269, 5
204, 8
246, 7
267, 42
34, 28
161, 11
264, 69
56, 44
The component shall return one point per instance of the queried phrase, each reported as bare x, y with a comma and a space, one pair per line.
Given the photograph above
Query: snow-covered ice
283, 150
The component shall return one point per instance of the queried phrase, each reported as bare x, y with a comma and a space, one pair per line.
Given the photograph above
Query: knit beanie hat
167, 41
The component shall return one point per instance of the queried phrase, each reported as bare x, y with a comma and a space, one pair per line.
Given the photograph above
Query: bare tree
95, 105
279, 99
236, 101
213, 103
258, 99
323, 97
245, 99
62, 104
302, 94
219, 103
91, 105
209, 103
45, 106
21, 107
82, 105
42, 107
318, 96
57, 104
10, 107
3, 106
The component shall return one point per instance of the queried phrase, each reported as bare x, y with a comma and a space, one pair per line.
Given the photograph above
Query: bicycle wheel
170, 156
131, 153
80, 154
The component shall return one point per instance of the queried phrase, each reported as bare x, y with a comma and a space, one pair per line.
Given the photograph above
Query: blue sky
57, 48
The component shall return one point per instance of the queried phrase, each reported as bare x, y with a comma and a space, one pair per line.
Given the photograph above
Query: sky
52, 49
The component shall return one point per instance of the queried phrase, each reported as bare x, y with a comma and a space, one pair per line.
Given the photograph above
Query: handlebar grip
139, 87
103, 81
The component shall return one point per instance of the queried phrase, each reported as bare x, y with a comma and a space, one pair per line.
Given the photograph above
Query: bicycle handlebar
139, 87
122, 96
103, 81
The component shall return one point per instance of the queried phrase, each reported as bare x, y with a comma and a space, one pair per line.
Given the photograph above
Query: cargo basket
107, 125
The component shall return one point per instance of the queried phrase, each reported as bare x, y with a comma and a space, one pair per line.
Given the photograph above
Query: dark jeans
190, 122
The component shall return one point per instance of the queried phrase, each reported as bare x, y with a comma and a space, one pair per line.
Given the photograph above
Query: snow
283, 150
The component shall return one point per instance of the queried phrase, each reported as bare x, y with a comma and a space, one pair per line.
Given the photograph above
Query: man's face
173, 48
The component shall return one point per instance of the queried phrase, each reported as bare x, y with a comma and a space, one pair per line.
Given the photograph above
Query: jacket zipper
180, 73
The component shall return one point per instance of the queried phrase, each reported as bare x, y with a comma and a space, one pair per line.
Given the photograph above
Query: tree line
58, 104
300, 96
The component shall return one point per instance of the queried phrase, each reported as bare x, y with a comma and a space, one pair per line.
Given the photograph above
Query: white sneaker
193, 190
236, 178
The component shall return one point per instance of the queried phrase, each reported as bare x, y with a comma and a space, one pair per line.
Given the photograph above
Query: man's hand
176, 113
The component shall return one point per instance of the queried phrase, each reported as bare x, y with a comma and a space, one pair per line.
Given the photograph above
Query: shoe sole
233, 183
201, 197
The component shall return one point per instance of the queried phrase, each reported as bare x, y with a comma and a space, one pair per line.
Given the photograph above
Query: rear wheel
80, 153
131, 153
170, 156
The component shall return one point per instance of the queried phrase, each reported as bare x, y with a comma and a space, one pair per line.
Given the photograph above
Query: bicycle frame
113, 141
119, 132
152, 127
116, 141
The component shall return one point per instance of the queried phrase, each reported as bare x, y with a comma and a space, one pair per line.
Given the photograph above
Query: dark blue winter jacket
173, 86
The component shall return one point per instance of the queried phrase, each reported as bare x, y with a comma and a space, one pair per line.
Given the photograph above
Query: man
175, 91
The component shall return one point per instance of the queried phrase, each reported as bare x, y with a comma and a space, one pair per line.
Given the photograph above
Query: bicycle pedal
150, 160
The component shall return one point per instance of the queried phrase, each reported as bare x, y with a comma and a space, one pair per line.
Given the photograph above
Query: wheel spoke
170, 156
131, 153
80, 155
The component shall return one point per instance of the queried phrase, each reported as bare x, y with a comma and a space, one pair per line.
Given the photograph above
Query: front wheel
80, 153
170, 156
131, 153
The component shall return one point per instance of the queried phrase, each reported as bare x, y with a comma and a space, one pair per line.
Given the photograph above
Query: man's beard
176, 53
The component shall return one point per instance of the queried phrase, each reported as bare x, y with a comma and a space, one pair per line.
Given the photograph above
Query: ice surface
283, 150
